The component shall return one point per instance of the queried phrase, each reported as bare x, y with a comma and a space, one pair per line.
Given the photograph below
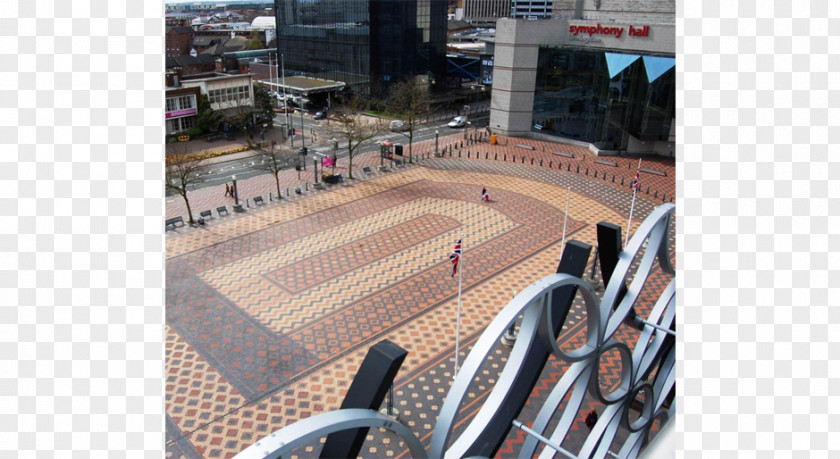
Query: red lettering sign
598, 29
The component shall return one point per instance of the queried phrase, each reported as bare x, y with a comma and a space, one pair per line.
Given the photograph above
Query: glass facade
576, 98
362, 43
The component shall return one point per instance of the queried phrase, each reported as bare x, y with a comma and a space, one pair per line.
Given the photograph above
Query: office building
363, 43
603, 77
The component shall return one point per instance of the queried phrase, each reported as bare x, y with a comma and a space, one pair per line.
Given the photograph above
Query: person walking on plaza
484, 195
227, 190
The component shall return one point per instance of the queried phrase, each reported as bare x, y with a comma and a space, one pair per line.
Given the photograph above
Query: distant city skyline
220, 2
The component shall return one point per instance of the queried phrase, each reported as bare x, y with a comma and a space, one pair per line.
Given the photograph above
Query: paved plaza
269, 313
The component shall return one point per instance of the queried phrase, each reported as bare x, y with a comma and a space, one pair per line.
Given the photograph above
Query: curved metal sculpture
534, 304
293, 436
601, 324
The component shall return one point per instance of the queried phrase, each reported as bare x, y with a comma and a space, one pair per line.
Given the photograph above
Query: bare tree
182, 173
276, 159
352, 126
411, 101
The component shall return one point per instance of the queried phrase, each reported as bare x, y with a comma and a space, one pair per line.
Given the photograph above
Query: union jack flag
635, 184
455, 257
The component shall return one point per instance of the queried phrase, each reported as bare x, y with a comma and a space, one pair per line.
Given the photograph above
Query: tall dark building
364, 43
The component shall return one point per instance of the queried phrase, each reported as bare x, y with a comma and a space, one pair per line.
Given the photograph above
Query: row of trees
348, 125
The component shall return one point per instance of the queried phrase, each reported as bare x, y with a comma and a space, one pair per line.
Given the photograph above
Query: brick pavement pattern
270, 313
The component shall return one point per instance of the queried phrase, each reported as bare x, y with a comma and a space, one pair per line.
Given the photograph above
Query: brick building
179, 40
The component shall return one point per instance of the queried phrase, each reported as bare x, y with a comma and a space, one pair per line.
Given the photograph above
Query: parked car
320, 115
458, 121
398, 126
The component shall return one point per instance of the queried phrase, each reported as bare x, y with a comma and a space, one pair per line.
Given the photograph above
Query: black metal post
235, 192
302, 130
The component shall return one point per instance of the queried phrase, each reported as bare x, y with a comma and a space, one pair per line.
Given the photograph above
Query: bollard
595, 173
514, 158
459, 153
569, 167
604, 177
468, 153
532, 161
495, 156
307, 186
655, 194
270, 196
647, 191
587, 171
672, 199
622, 181
578, 169
287, 192
247, 204
663, 197
613, 180
505, 159
549, 164
486, 154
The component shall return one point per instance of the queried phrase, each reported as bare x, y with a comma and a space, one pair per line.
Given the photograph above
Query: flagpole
458, 326
633, 203
565, 218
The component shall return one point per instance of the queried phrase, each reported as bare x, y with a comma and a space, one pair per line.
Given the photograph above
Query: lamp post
302, 129
335, 153
436, 142
285, 103
236, 206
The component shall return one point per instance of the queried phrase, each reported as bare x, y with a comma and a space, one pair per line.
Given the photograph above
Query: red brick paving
238, 386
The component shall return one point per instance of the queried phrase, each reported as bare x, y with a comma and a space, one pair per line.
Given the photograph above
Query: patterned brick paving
270, 313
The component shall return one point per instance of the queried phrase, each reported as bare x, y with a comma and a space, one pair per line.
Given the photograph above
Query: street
221, 172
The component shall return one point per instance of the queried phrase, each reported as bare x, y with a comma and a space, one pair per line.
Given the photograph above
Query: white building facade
601, 77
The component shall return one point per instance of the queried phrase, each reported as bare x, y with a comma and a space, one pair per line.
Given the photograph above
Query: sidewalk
199, 145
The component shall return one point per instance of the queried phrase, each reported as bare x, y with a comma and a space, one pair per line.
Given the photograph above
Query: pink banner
326, 161
189, 111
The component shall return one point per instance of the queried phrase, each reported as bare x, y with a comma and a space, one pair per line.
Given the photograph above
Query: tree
207, 119
411, 101
182, 173
263, 101
276, 160
352, 126
254, 43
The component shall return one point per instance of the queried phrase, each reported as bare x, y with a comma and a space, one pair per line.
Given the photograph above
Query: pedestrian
591, 419
227, 190
484, 195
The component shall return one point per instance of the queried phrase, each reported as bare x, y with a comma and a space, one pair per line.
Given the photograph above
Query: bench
367, 170
606, 162
564, 153
398, 163
206, 213
224, 209
527, 147
174, 223
258, 201
652, 171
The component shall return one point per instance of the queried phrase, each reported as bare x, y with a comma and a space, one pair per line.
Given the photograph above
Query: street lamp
335, 153
436, 142
236, 206
302, 129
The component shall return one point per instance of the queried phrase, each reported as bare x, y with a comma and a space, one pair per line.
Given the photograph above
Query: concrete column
514, 76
